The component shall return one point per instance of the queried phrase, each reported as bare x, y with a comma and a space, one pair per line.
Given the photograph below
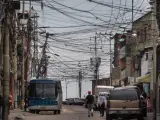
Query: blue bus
45, 95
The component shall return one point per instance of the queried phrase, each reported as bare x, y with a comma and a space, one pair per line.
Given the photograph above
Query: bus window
43, 90
39, 90
50, 90
32, 90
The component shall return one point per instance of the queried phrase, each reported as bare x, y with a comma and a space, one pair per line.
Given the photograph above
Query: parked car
78, 101
74, 101
126, 103
69, 101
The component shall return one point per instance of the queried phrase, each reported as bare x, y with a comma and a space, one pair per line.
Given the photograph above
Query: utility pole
157, 4
34, 51
96, 67
80, 83
35, 58
67, 82
6, 65
131, 61
1, 54
27, 59
132, 54
15, 71
95, 61
44, 60
154, 63
110, 62
80, 80
110, 53
132, 11
23, 62
66, 88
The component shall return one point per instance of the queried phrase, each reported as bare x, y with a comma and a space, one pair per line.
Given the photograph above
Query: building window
146, 56
145, 33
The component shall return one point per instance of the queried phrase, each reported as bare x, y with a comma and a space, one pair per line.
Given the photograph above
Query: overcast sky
74, 24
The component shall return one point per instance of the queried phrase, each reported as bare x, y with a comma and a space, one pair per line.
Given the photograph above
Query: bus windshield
42, 90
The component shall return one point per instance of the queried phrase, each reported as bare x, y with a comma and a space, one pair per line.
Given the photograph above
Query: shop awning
144, 79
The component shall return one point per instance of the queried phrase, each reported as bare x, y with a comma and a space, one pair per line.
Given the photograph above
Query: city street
68, 113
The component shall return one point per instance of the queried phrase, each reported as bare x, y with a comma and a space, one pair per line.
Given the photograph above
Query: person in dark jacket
89, 102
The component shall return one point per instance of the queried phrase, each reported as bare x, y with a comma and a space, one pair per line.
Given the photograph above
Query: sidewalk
82, 115
14, 113
150, 116
17, 112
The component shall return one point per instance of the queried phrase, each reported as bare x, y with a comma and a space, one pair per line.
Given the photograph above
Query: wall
116, 50
115, 76
146, 62
144, 65
143, 28
116, 73
144, 40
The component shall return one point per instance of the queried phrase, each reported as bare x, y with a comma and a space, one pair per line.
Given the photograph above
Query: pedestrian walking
102, 102
90, 102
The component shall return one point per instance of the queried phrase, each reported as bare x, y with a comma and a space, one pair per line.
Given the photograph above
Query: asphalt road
68, 113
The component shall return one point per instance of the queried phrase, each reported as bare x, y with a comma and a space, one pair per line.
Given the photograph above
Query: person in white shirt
102, 102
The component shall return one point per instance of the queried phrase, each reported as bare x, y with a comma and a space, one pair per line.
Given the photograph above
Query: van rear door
124, 99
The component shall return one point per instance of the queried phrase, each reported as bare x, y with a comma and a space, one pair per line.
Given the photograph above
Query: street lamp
134, 34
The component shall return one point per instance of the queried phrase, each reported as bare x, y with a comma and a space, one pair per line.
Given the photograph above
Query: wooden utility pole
15, 71
66, 87
27, 59
22, 76
110, 62
42, 68
158, 81
153, 5
1, 53
6, 66
23, 61
80, 83
96, 60
96, 67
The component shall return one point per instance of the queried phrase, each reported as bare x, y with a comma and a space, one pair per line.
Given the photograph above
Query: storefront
145, 80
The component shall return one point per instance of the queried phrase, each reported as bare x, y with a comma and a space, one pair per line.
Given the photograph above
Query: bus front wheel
31, 111
59, 111
55, 112
37, 111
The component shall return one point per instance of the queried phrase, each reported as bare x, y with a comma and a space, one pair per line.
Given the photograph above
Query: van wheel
55, 112
31, 111
109, 117
59, 112
140, 118
37, 111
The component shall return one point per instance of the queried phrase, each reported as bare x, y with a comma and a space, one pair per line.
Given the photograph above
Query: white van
101, 89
